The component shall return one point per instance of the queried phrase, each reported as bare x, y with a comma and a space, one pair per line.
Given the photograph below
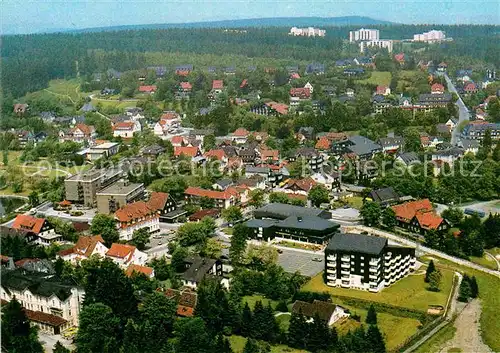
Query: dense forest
30, 61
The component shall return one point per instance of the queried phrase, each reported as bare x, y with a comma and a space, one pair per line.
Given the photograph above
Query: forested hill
253, 22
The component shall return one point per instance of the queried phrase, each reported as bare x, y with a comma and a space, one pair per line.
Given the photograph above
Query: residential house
469, 146
315, 68
153, 151
383, 196
477, 129
80, 133
49, 303
380, 104
106, 149
88, 107
391, 144
240, 135
134, 216
222, 199
470, 88
178, 141
197, 268
183, 70
36, 230
85, 247
430, 141
183, 91
126, 129
298, 95
408, 158
437, 88
429, 101
125, 255
383, 90
187, 151
134, 269
362, 61
419, 217
400, 58
309, 87
313, 157
442, 67
135, 113
230, 70
449, 155
185, 300
365, 262
298, 186
327, 312
160, 71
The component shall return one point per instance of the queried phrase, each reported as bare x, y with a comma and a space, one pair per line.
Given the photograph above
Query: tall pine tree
298, 331
371, 316
318, 335
246, 321
431, 268
474, 289
375, 340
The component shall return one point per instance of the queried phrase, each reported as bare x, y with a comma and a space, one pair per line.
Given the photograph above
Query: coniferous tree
273, 328
251, 346
222, 345
371, 316
17, 334
375, 340
259, 321
297, 331
212, 304
246, 326
319, 335
465, 289
430, 268
474, 289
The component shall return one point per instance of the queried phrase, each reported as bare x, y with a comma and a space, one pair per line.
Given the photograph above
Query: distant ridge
252, 22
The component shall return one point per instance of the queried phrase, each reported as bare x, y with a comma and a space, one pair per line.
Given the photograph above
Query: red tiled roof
186, 85
27, 222
177, 139
157, 201
303, 184
244, 83
218, 154
381, 89
323, 144
169, 116
211, 212
281, 108
148, 89
408, 210
185, 311
294, 76
437, 87
217, 84
300, 92
4, 258
470, 87
269, 154
133, 211
182, 72
86, 129
187, 151
241, 132
65, 203
84, 246
124, 126
21, 262
443, 64
428, 220
120, 250
211, 194
399, 57
44, 318
148, 271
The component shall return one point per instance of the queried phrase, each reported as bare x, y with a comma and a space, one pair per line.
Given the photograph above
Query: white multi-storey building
134, 216
431, 36
49, 304
367, 263
307, 32
364, 34
380, 43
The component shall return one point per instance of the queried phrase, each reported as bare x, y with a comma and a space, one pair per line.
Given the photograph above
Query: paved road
463, 111
405, 241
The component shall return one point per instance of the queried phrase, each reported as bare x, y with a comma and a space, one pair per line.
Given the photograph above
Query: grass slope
382, 78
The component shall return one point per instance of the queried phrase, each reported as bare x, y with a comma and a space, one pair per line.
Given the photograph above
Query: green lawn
410, 292
378, 78
438, 340
489, 293
66, 88
355, 202
485, 261
238, 343
252, 299
114, 103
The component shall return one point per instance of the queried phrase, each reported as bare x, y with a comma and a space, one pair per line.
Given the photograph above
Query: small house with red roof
240, 135
85, 247
148, 89
400, 58
223, 199
419, 217
183, 91
244, 83
299, 186
442, 67
217, 86
80, 133
126, 129
37, 230
437, 88
323, 144
383, 90
185, 299
470, 88
134, 269
298, 95
125, 255
294, 76
187, 151
178, 141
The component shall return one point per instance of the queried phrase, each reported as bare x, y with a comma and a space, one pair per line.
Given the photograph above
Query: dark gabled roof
39, 284
408, 157
349, 242
198, 268
224, 183
454, 151
384, 195
261, 223
389, 141
378, 98
362, 145
283, 211
324, 310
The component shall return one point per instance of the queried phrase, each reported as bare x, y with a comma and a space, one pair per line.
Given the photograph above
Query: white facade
129, 132
379, 43
136, 257
307, 32
431, 36
309, 86
153, 223
68, 309
76, 257
364, 34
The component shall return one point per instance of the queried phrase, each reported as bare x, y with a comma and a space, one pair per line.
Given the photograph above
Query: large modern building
477, 130
307, 32
117, 195
82, 188
364, 34
429, 37
365, 262
379, 43
296, 223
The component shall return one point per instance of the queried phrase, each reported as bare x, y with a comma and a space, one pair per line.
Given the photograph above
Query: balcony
374, 262
375, 277
331, 264
345, 265
331, 257
345, 272
345, 258
375, 269
331, 277
330, 271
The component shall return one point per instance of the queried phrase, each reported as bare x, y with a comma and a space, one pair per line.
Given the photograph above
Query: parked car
317, 259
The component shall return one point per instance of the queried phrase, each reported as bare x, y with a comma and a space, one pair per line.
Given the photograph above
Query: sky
28, 16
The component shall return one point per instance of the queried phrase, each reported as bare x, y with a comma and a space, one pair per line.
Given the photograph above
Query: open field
378, 78
485, 261
238, 343
113, 103
355, 202
436, 341
66, 88
252, 299
489, 294
409, 292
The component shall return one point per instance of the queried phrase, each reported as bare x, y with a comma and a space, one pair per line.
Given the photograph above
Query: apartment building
307, 32
429, 37
137, 215
49, 303
379, 43
364, 34
82, 188
366, 263
117, 195
477, 130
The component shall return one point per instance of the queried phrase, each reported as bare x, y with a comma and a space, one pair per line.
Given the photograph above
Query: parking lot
293, 260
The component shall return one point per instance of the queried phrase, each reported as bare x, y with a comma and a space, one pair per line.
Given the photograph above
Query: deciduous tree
105, 226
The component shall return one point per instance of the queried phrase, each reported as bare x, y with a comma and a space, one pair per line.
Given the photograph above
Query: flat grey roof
350, 242
120, 189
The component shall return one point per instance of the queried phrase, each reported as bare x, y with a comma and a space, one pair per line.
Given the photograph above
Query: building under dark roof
282, 211
384, 196
357, 243
321, 309
198, 267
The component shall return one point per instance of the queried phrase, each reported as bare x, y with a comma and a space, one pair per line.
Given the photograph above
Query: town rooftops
187, 151
384, 195
217, 84
349, 242
84, 246
28, 223
120, 250
283, 211
280, 108
44, 318
133, 211
408, 210
132, 268
212, 194
409, 157
120, 188
362, 145
198, 268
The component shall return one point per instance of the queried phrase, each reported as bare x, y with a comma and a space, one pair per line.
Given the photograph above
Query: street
463, 112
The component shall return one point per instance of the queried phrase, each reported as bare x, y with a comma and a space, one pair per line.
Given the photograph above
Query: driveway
48, 341
463, 111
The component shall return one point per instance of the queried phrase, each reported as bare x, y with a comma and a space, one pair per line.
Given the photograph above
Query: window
362, 257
